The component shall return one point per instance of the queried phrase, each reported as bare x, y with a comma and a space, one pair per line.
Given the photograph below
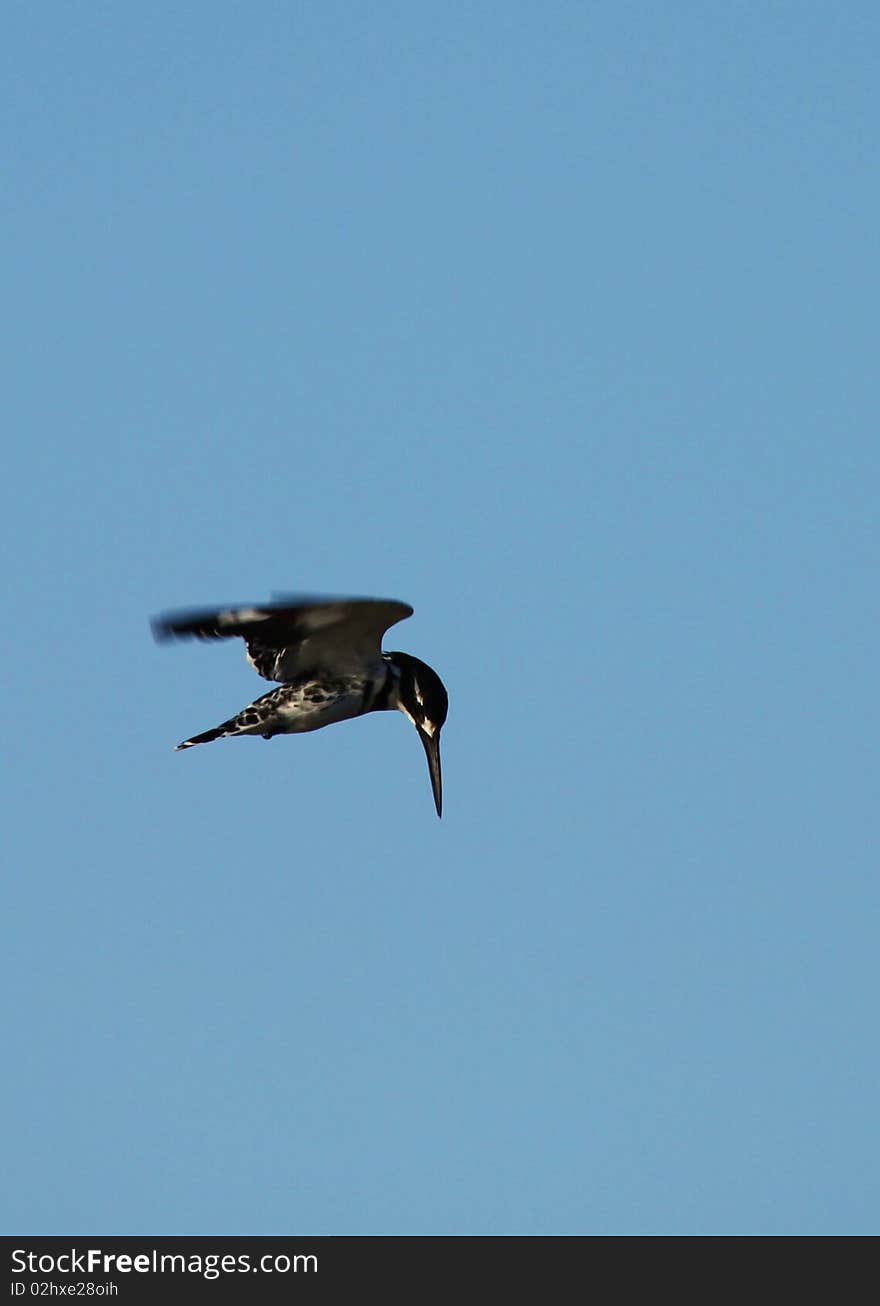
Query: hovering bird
327, 654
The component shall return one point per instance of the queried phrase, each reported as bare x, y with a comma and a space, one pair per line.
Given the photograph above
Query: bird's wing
295, 634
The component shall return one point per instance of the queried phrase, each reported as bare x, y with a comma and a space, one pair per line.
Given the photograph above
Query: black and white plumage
327, 654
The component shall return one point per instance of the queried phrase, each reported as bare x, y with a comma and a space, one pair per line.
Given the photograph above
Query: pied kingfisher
327, 654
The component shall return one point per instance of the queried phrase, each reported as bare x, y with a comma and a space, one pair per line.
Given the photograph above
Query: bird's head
422, 698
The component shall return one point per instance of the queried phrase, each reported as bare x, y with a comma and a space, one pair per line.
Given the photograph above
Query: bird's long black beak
432, 752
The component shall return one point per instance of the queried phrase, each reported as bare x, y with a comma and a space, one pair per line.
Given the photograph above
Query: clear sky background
559, 322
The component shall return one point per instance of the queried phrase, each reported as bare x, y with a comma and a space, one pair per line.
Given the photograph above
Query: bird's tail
231, 727
254, 719
205, 738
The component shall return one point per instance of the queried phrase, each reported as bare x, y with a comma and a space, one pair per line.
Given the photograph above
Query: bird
326, 652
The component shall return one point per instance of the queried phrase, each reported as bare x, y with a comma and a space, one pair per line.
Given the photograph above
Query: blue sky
558, 322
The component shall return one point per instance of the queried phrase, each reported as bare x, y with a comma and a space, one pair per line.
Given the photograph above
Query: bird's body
327, 654
307, 703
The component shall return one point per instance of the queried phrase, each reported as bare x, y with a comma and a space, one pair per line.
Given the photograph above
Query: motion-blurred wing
295, 634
